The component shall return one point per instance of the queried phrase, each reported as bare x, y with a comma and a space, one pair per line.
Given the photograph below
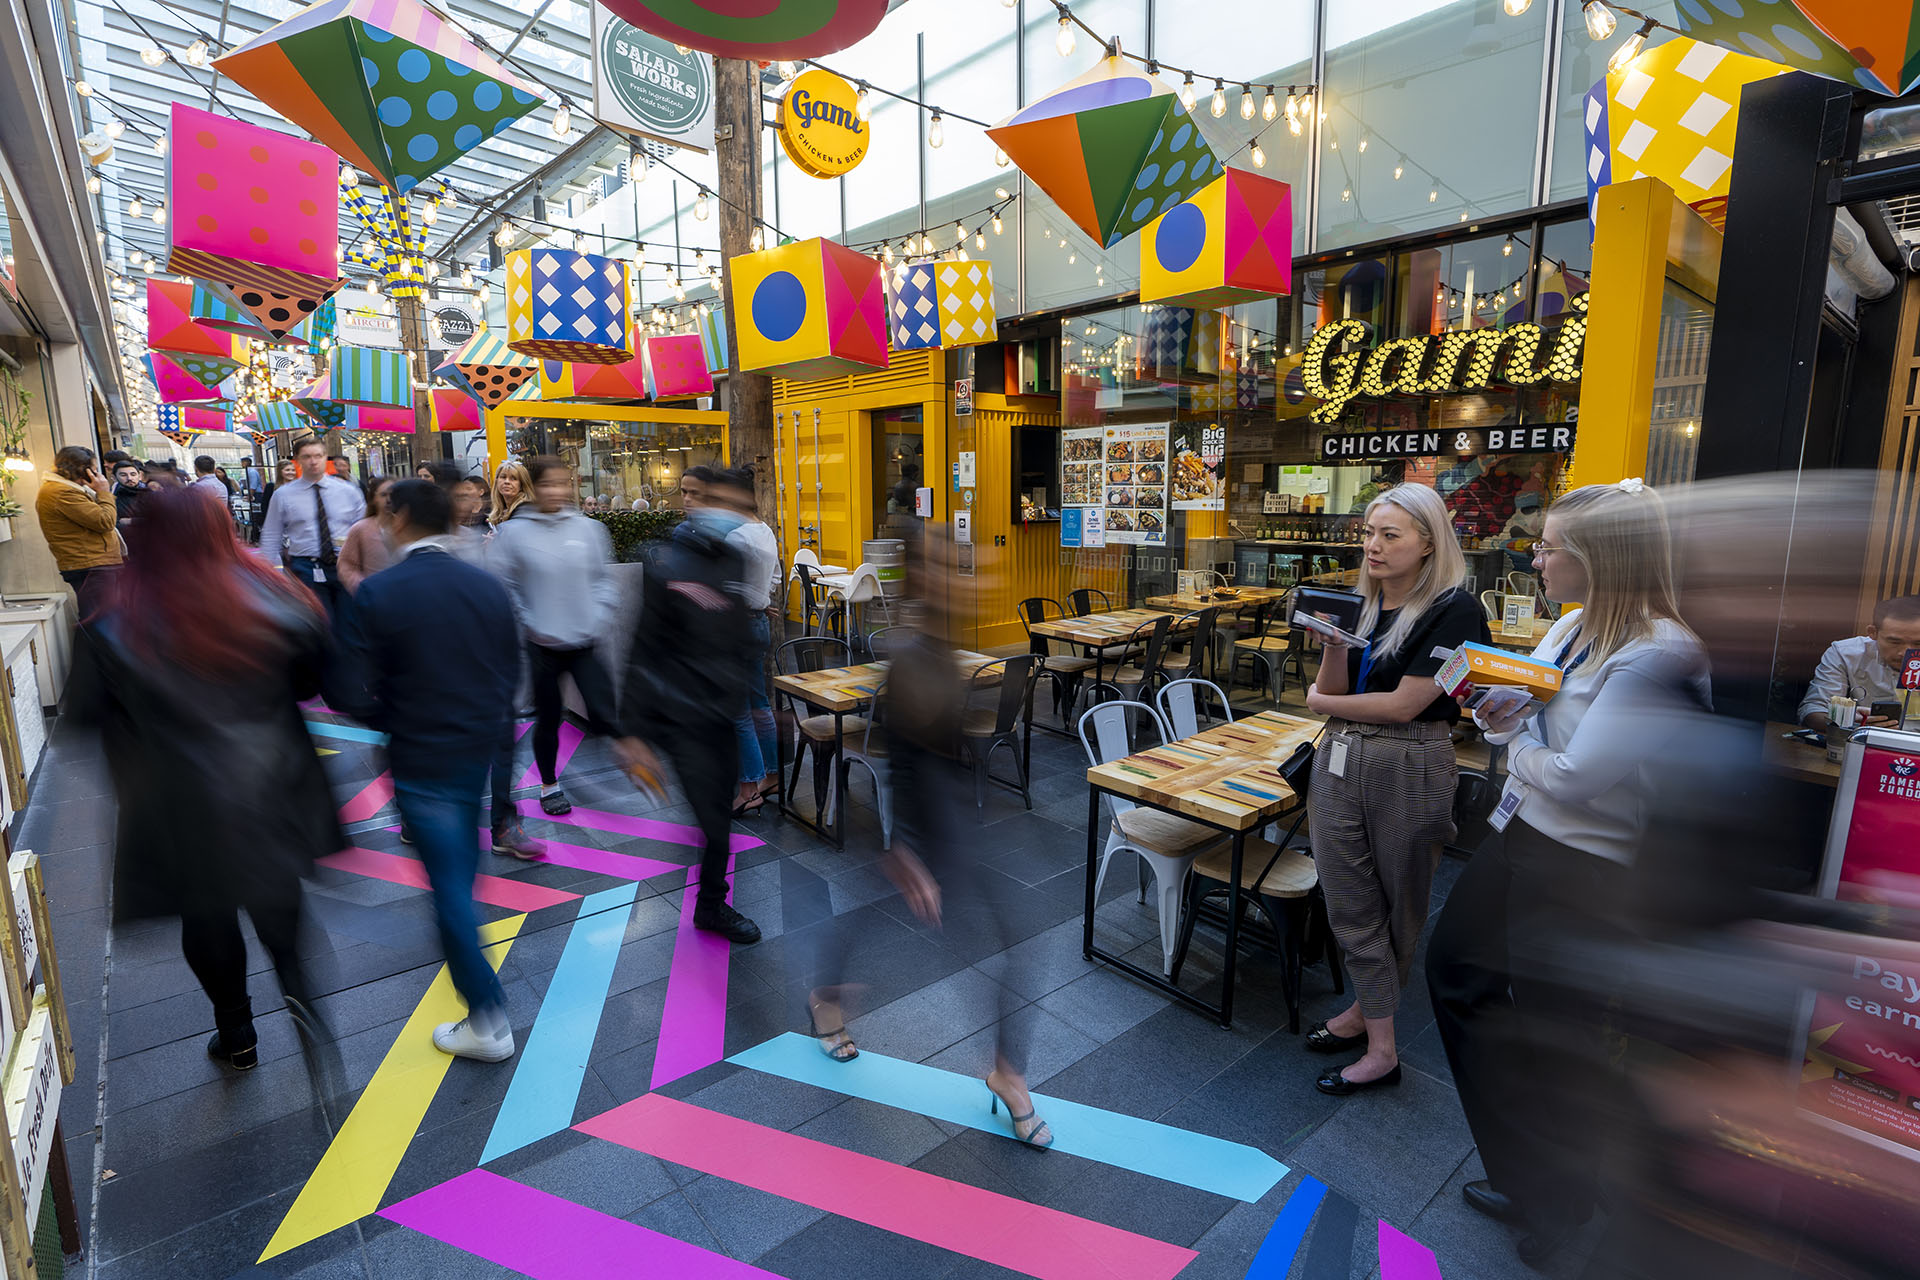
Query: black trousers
705, 755
217, 954
596, 690
1525, 1024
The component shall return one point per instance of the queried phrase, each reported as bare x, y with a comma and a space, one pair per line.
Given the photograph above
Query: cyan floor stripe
351, 733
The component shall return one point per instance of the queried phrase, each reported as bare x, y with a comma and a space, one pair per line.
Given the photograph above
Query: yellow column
496, 440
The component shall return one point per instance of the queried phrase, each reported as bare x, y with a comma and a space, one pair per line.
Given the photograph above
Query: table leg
1233, 930
1093, 855
839, 780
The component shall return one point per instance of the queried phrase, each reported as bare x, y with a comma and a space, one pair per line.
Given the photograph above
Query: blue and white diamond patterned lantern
568, 306
941, 304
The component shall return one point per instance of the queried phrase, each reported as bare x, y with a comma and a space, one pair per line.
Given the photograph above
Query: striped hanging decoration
400, 242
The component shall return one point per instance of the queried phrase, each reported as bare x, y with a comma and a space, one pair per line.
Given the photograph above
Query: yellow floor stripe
360, 1162
326, 751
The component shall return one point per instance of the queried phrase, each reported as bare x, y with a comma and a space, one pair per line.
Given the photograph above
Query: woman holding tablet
1384, 777
1527, 1044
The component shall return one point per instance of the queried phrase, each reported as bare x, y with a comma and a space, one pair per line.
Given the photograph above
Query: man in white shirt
308, 519
206, 480
1865, 668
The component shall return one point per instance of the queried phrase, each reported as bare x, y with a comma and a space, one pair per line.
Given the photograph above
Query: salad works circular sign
646, 85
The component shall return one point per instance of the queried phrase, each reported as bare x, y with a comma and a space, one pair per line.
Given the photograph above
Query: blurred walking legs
217, 953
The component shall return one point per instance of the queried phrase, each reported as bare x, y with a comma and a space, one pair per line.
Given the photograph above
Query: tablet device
1330, 614
1327, 630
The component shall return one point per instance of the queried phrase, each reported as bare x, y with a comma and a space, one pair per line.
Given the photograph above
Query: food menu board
1135, 488
1198, 472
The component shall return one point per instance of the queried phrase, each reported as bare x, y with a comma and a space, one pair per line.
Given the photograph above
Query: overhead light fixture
153, 55
1269, 108
160, 214
504, 236
197, 53
115, 128
936, 132
134, 207
1399, 168
160, 146
1186, 92
1599, 18
1246, 102
563, 119
93, 184
1063, 41
1506, 247
1630, 48
980, 241
82, 88
1517, 7
700, 209
863, 103
1259, 157
997, 224
1219, 104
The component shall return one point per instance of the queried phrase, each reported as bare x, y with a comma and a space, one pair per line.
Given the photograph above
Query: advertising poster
1135, 483
1862, 1063
1198, 472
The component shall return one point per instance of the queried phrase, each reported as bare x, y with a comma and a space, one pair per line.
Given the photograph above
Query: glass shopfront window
618, 462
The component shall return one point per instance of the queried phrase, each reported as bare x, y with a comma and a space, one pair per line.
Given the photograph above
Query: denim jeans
759, 753
442, 814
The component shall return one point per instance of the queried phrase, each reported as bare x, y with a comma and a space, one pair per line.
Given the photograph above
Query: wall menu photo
1080, 473
1135, 462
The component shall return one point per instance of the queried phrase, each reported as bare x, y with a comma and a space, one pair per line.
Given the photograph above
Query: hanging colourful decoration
572, 380
712, 328
676, 368
1179, 345
1114, 148
450, 410
563, 305
370, 376
175, 385
768, 29
391, 85
214, 308
1873, 46
1229, 242
486, 369
375, 417
399, 239
941, 304
208, 355
808, 310
281, 415
317, 403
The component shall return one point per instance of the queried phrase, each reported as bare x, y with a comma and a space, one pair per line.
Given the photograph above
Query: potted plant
14, 401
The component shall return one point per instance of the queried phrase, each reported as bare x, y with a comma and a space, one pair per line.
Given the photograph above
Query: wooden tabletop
1098, 630
1797, 759
1191, 601
1527, 639
1227, 777
851, 688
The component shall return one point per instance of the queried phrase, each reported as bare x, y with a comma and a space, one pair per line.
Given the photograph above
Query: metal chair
1199, 641
1179, 705
1063, 670
1165, 844
810, 611
1111, 669
880, 643
986, 729
799, 657
869, 751
1490, 601
1082, 601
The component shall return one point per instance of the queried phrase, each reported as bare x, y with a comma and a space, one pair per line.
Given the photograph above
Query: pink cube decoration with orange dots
677, 367
255, 212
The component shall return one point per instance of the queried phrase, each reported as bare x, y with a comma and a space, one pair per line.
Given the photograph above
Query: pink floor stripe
1404, 1258
640, 828
515, 895
693, 1024
623, 866
965, 1219
372, 799
543, 1236
570, 740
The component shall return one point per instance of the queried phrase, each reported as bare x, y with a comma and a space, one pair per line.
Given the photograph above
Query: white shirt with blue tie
292, 526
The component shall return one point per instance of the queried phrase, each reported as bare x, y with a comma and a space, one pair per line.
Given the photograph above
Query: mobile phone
1888, 710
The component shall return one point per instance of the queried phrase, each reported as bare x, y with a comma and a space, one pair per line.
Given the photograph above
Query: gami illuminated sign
1520, 355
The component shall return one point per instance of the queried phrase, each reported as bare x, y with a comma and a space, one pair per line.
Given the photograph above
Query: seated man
1865, 668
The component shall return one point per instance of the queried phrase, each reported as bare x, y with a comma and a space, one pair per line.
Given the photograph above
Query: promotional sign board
1198, 472
451, 324
644, 86
820, 126
1339, 446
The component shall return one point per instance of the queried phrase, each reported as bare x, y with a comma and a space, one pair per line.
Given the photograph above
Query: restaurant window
1679, 385
618, 461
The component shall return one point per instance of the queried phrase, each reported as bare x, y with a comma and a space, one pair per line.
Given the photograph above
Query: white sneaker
463, 1040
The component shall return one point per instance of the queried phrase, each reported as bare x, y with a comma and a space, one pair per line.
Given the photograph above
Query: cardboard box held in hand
1498, 676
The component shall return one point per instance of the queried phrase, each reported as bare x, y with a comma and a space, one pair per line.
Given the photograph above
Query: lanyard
1366, 668
1567, 668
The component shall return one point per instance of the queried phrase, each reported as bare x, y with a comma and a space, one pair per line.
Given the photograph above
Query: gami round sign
820, 125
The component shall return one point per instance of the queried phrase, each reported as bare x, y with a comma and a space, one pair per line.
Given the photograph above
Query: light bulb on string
863, 104
1269, 108
1515, 8
115, 128
1246, 102
700, 209
683, 49
787, 70
134, 207
82, 88
1219, 103
160, 214
1362, 145
504, 236
93, 184
1000, 157
1506, 247
959, 233
430, 214
1433, 195
1186, 92
998, 226
1293, 125
433, 271
1630, 48
755, 240
1600, 20
640, 257
1399, 168
1258, 157
563, 119
936, 132
160, 146
980, 242
197, 53
153, 55
886, 253
348, 176
1063, 41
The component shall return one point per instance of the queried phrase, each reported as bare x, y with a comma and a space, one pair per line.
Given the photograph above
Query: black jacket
223, 803
689, 659
430, 657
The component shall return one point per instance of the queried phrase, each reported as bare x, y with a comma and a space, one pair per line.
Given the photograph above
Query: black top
693, 654
1449, 622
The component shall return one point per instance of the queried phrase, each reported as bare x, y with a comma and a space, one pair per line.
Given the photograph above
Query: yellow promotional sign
820, 124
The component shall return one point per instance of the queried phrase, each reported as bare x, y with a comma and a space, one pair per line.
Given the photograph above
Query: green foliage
629, 529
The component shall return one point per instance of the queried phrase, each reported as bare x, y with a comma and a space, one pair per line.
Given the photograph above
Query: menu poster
1198, 472
1136, 483
1080, 475
1862, 1043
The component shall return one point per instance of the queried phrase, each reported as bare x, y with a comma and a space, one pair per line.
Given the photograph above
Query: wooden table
839, 691
1226, 778
1797, 759
1099, 630
1520, 640
1194, 601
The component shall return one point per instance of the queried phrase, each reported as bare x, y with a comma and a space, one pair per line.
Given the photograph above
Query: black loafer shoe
726, 922
239, 1059
1339, 1086
1485, 1199
1321, 1040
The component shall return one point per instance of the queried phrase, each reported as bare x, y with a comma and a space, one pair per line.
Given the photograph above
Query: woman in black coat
195, 666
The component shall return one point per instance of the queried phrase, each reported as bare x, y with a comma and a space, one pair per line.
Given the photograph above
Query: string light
754, 240
1362, 147
197, 53
348, 177
700, 209
1631, 47
1599, 18
1186, 92
431, 214
134, 207
1000, 158
1246, 102
1259, 157
996, 224
504, 236
936, 134
563, 119
1269, 108
115, 128
466, 276
82, 88
1399, 168
1219, 104
1063, 42
1506, 248
93, 184
160, 145
160, 214
980, 241
1517, 7
959, 233
863, 103
153, 56
787, 70
1433, 195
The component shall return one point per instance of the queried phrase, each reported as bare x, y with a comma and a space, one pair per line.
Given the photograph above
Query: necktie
328, 556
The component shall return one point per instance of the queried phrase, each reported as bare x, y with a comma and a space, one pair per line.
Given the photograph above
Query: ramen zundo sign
1520, 355
820, 125
644, 85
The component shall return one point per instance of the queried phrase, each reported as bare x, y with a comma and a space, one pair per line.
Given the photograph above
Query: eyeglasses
1544, 549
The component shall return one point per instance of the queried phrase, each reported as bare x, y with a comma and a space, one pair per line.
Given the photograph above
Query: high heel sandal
840, 1050
1038, 1133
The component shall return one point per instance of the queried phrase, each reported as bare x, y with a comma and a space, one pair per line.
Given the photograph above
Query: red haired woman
223, 805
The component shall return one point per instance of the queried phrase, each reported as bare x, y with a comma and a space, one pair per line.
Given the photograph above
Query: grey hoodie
555, 568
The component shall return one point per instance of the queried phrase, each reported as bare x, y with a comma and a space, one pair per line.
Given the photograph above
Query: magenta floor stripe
625, 866
543, 1236
693, 1025
640, 828
1404, 1258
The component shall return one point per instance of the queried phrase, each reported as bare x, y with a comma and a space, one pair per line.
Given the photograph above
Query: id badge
319, 574
1337, 755
1510, 799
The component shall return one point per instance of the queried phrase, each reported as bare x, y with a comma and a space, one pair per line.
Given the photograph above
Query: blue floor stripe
1275, 1258
350, 733
553, 1063
1157, 1150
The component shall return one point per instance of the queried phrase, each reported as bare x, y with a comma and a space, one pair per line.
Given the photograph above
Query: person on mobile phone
79, 518
1865, 668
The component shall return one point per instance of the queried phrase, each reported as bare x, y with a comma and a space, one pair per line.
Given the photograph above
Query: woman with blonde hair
512, 488
1528, 1049
1381, 804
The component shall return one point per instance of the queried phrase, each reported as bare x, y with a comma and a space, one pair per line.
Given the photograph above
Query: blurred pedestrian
208, 481
1528, 1055
223, 804
760, 563
686, 685
1384, 776
430, 659
512, 489
469, 520
367, 549
308, 520
79, 519
553, 560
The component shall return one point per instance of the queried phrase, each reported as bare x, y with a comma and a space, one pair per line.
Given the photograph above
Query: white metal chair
1167, 845
1179, 704
1522, 584
862, 587
1490, 601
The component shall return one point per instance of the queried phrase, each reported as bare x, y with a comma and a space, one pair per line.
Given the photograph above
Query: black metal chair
1114, 670
1064, 671
810, 612
800, 657
985, 730
1198, 641
880, 643
1082, 601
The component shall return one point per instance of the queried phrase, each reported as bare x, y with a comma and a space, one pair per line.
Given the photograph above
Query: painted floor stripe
515, 895
968, 1220
1275, 1258
1126, 1142
606, 862
570, 739
543, 1236
621, 824
372, 799
693, 1023
1404, 1258
347, 732
1330, 1252
360, 1162
553, 1063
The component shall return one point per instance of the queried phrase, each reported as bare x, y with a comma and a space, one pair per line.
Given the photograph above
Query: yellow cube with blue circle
809, 310
1229, 242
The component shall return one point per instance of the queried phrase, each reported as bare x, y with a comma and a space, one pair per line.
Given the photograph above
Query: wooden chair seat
1293, 874
1272, 642
1164, 834
820, 728
1068, 666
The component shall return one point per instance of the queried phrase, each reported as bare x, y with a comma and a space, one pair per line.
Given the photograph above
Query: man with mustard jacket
78, 517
